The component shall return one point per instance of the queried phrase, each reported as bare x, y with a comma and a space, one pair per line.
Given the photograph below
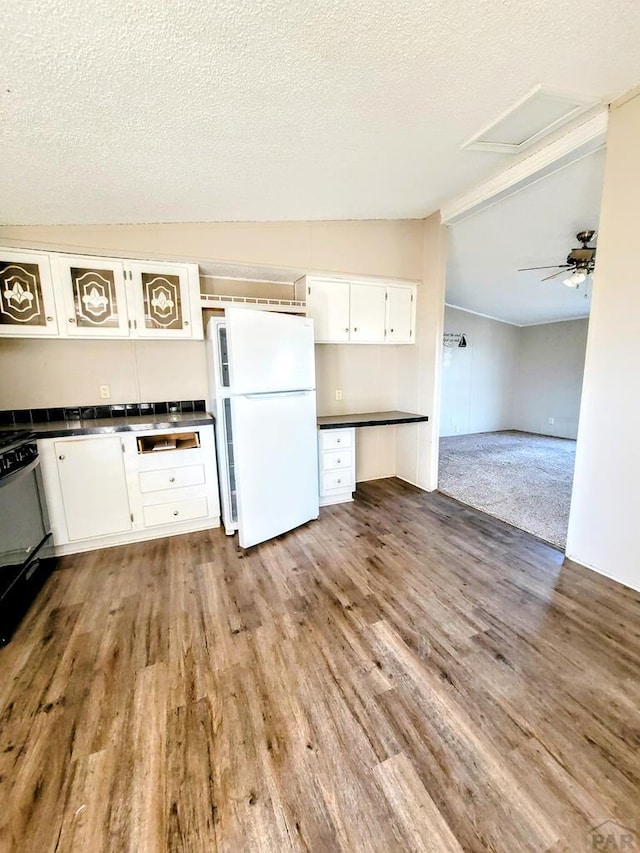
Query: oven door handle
15, 475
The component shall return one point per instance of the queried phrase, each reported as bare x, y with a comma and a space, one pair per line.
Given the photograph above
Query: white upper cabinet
27, 304
328, 305
93, 296
367, 313
359, 312
400, 316
49, 293
161, 295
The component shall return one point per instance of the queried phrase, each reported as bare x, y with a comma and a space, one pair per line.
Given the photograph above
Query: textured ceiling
184, 110
537, 226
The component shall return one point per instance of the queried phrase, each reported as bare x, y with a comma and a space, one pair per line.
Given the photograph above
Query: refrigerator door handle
264, 394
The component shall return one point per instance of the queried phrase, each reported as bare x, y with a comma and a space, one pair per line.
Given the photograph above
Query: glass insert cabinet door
94, 296
161, 293
27, 305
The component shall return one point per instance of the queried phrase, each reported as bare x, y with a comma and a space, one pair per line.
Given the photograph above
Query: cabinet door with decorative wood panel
161, 296
27, 305
94, 296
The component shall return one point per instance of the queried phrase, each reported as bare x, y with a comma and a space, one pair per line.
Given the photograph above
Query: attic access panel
536, 115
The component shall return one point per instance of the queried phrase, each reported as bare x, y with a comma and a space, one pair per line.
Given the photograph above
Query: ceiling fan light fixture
575, 279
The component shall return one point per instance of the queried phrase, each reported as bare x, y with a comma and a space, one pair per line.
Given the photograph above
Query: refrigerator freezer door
226, 465
269, 352
275, 442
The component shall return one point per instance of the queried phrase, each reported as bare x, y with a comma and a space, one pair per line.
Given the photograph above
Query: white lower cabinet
93, 483
171, 478
174, 511
337, 461
110, 489
177, 485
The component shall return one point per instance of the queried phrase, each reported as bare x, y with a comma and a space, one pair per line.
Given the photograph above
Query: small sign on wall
454, 339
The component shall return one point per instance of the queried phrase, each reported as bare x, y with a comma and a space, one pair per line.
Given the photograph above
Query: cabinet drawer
171, 478
337, 459
337, 481
333, 439
170, 513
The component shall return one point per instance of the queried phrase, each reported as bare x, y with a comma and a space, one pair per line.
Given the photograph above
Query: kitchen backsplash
11, 417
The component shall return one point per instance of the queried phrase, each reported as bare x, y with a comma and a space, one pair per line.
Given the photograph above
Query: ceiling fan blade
550, 267
555, 275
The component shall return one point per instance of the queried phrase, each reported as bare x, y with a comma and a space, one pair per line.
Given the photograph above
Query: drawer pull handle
172, 479
175, 512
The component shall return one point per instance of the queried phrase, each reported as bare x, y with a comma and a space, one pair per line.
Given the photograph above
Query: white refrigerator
262, 369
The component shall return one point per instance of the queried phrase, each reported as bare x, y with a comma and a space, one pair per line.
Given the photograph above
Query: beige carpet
522, 478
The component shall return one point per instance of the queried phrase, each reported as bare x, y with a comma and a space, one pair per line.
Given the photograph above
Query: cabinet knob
391, 330
338, 440
186, 322
71, 320
339, 479
61, 457
175, 512
347, 329
338, 461
172, 479
355, 328
49, 319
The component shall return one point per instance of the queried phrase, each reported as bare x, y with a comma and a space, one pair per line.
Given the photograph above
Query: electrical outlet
338, 394
105, 392
552, 421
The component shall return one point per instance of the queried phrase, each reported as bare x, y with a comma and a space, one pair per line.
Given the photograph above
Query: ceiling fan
580, 262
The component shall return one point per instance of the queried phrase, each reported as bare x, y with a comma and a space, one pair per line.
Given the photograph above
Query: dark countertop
106, 426
364, 419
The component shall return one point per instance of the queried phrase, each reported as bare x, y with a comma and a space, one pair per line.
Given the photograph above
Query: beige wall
36, 373
549, 378
512, 378
604, 511
377, 247
418, 374
479, 380
41, 373
366, 375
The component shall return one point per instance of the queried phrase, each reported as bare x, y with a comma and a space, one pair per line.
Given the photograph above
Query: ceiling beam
583, 140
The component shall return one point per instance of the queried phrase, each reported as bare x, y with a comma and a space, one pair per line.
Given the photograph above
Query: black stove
26, 548
17, 449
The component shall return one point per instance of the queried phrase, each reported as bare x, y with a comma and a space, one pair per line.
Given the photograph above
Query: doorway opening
514, 349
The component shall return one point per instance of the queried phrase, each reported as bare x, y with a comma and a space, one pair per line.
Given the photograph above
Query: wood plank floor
404, 674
